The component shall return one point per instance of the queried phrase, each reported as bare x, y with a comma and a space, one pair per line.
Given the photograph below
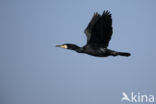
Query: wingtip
106, 12
96, 14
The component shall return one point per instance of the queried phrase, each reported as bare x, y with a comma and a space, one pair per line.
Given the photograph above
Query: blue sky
34, 71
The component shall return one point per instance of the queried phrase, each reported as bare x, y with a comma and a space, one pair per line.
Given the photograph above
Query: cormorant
98, 32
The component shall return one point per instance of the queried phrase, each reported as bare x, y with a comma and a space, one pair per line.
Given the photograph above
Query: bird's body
98, 32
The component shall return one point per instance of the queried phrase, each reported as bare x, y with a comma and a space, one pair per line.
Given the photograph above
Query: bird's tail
123, 54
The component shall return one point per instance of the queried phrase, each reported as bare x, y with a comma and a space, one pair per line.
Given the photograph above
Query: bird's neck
76, 48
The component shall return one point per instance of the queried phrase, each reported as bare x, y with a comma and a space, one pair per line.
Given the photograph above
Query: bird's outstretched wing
99, 30
88, 29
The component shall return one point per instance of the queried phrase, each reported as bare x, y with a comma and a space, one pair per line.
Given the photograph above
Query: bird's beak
58, 45
62, 46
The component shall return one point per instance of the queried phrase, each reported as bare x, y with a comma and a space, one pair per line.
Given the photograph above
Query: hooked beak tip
58, 45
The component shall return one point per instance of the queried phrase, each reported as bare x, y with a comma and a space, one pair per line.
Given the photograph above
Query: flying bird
98, 32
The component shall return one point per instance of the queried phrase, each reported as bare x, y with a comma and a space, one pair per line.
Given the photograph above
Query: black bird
98, 32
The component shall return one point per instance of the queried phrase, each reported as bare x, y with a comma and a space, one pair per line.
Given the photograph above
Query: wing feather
99, 30
94, 19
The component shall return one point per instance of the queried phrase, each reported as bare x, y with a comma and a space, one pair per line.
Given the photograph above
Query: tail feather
123, 54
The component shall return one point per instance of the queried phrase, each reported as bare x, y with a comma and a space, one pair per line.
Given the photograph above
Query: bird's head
68, 46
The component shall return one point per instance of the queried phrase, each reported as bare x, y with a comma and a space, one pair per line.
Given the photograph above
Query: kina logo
137, 97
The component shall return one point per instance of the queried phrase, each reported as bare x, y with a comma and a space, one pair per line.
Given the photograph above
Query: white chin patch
64, 46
